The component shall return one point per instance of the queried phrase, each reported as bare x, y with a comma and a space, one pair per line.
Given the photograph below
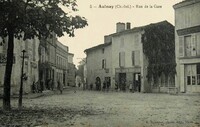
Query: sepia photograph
99, 63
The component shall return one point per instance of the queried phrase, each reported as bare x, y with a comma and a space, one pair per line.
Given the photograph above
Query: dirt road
106, 109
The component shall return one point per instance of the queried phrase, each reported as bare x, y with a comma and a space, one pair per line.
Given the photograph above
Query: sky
102, 16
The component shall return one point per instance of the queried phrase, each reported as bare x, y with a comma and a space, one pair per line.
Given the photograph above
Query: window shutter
104, 63
137, 57
181, 46
193, 46
198, 44
133, 58
122, 59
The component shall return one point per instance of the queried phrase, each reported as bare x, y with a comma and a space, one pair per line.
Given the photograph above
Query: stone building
61, 63
71, 70
53, 62
30, 64
98, 64
47, 61
187, 38
127, 60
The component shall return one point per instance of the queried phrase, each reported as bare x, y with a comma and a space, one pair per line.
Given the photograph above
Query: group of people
38, 87
132, 86
104, 87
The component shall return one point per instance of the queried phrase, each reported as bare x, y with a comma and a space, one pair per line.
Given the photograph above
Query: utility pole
21, 84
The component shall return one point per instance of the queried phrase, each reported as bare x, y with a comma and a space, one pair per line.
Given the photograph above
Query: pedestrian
131, 87
59, 87
104, 85
33, 87
108, 86
116, 86
91, 86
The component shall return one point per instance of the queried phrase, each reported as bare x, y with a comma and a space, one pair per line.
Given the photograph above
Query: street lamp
21, 84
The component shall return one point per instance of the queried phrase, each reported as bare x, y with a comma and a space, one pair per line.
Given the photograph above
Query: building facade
71, 71
61, 63
127, 59
99, 66
187, 38
30, 64
47, 62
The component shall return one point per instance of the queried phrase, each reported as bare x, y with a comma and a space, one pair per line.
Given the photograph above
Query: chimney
120, 27
128, 25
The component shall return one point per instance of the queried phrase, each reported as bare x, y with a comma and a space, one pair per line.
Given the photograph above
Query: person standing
131, 87
60, 87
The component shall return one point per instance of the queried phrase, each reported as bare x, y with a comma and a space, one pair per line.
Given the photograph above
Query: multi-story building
30, 64
53, 63
47, 62
71, 70
98, 64
61, 63
137, 56
187, 38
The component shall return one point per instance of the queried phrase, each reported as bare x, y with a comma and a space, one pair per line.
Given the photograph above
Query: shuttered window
122, 59
198, 43
181, 46
135, 57
103, 63
193, 46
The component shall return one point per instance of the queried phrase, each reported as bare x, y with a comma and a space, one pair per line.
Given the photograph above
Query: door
122, 81
137, 82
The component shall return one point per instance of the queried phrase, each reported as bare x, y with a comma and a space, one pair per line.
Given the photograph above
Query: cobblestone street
105, 109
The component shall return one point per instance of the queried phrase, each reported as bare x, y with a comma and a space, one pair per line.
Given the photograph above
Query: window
198, 74
135, 58
192, 73
103, 63
122, 59
188, 46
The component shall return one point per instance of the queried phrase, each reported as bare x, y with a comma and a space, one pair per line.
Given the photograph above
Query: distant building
187, 38
71, 70
30, 64
61, 63
47, 61
98, 64
53, 62
124, 58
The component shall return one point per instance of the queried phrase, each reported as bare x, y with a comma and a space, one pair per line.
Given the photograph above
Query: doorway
122, 81
137, 82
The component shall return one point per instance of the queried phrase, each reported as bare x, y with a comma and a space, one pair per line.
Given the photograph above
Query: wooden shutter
193, 46
133, 58
137, 57
198, 43
122, 59
181, 46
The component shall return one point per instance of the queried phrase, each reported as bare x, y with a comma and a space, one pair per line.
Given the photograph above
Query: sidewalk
33, 95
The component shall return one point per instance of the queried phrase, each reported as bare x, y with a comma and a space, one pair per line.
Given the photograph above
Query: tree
27, 19
80, 71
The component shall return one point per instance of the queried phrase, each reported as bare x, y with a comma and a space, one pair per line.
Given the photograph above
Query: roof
140, 28
185, 3
97, 47
133, 30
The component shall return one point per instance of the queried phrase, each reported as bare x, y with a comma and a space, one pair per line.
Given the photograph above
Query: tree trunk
8, 71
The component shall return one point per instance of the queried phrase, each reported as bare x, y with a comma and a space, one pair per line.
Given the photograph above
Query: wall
94, 64
127, 42
187, 16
